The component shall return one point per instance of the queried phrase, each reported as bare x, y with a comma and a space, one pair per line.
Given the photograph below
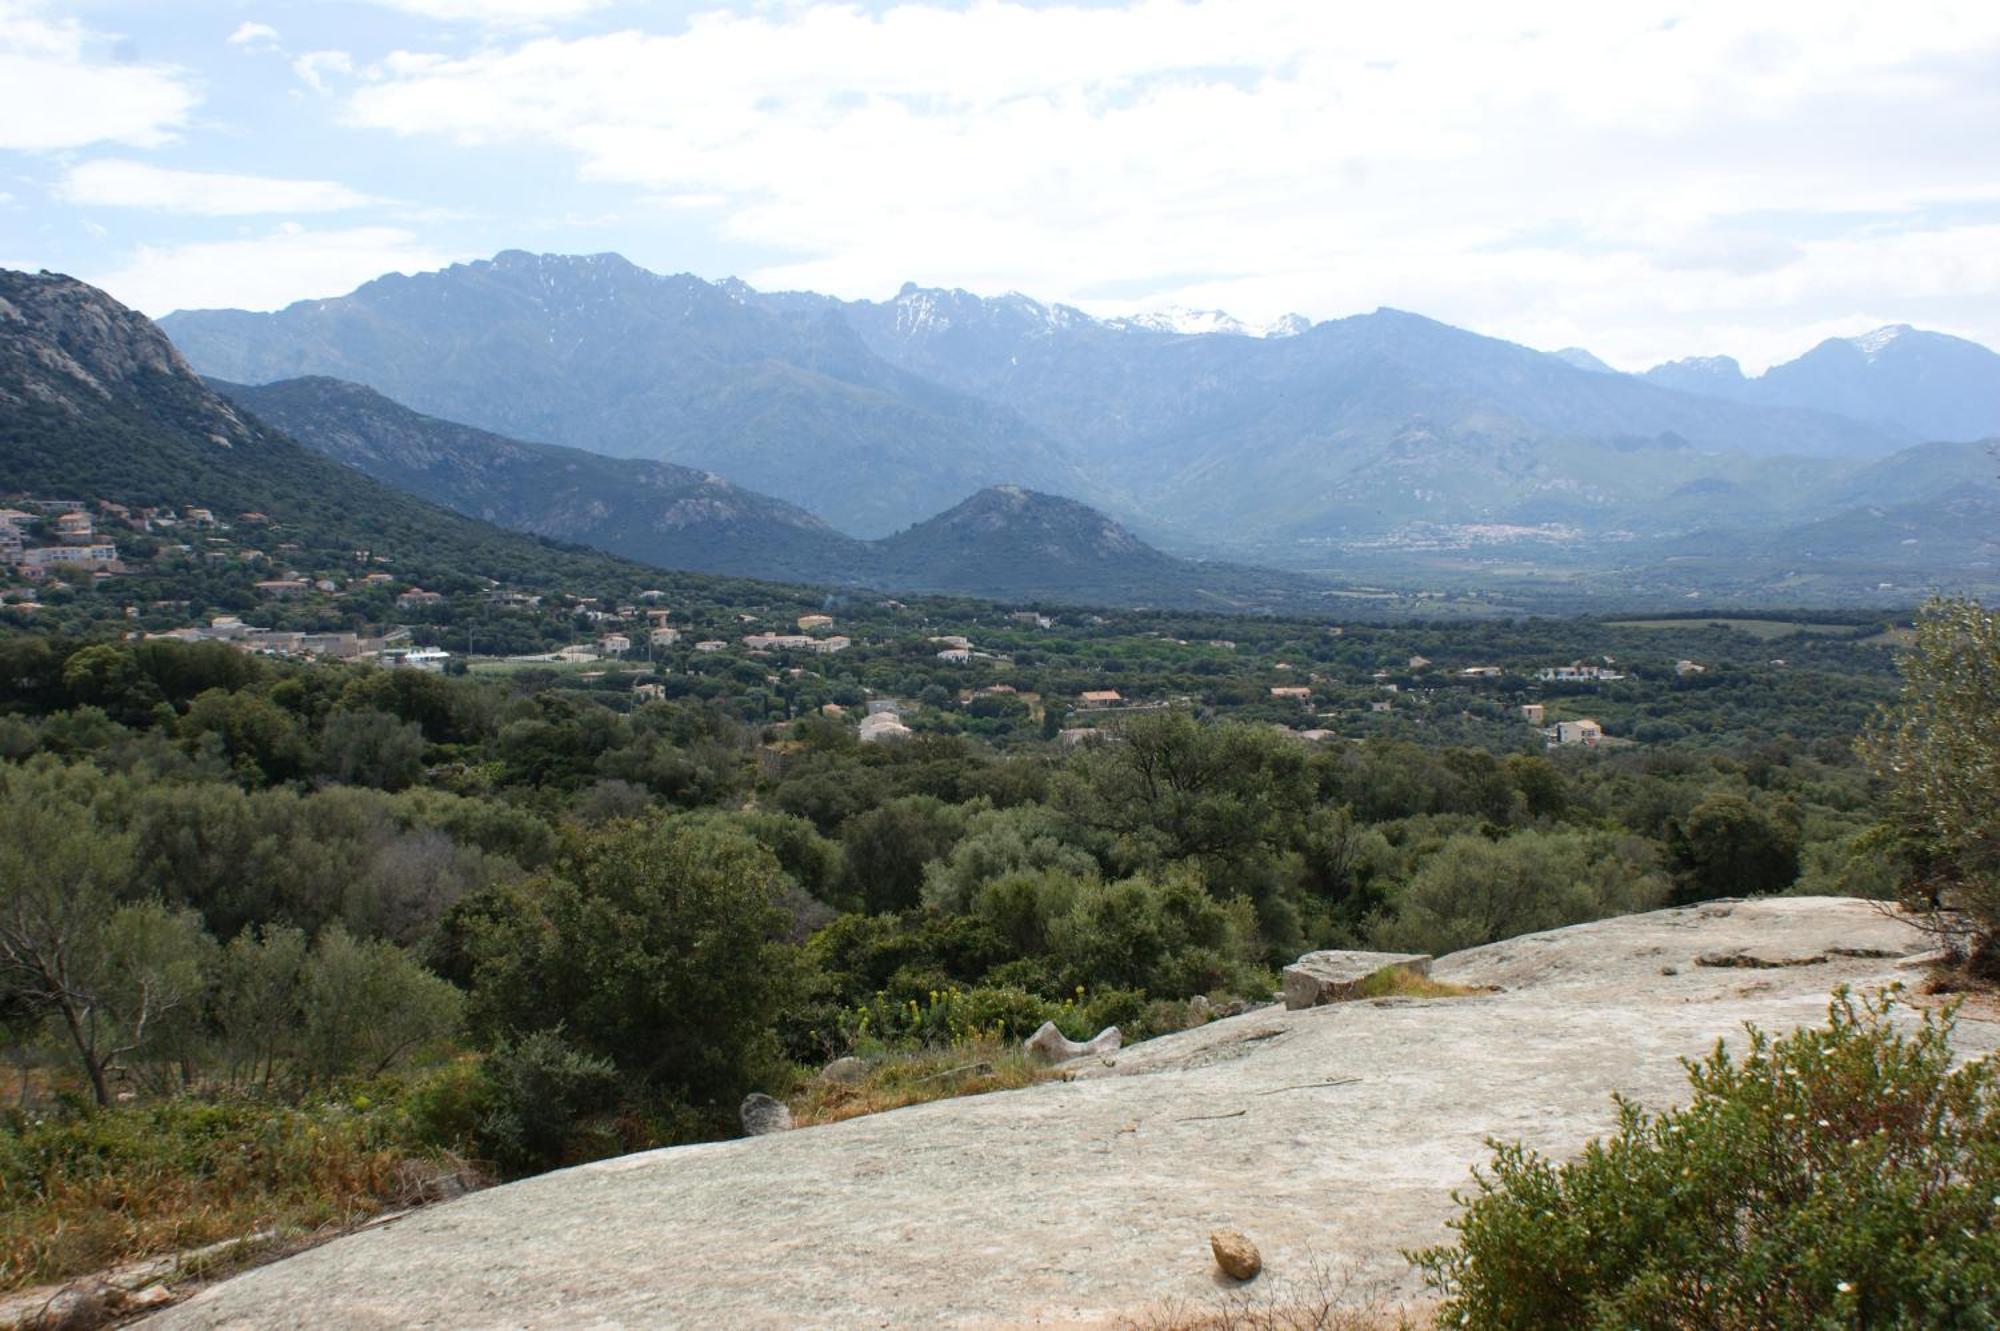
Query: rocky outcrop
1336, 977
67, 344
1333, 1135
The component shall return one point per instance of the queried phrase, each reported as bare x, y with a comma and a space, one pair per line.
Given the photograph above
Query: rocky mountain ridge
597, 353
1375, 441
1930, 386
96, 404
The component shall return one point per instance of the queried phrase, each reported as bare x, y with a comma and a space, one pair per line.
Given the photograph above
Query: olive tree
1938, 751
110, 972
656, 947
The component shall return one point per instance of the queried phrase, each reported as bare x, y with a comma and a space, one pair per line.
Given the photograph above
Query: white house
882, 726
1584, 732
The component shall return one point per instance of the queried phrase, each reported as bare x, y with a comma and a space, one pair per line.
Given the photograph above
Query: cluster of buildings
796, 642
1576, 672
392, 648
811, 637
77, 545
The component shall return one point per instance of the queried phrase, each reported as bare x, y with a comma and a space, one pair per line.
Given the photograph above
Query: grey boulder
1336, 977
763, 1115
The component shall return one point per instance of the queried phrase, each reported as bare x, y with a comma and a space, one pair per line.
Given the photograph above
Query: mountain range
96, 403
599, 354
1295, 445
656, 512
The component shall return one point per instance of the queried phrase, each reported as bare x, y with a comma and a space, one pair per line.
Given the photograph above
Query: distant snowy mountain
1178, 319
1872, 345
1714, 376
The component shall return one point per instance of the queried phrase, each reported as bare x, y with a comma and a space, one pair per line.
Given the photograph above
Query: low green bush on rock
1841, 1176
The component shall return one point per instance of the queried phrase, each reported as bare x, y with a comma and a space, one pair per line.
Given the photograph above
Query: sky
1645, 180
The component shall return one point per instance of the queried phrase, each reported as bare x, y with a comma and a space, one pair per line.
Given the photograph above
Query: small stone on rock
152, 1296
83, 1306
1235, 1254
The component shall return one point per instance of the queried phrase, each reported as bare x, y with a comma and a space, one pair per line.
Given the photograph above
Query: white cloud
57, 91
266, 271
1475, 161
497, 13
254, 36
115, 183
314, 66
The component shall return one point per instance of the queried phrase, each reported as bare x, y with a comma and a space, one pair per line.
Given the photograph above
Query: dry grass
1394, 982
80, 1196
1320, 1299
917, 1078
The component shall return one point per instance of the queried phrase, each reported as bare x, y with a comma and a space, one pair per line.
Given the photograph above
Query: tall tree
1938, 750
109, 972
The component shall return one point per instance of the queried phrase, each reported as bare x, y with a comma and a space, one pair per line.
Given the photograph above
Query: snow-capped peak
1178, 319
1871, 344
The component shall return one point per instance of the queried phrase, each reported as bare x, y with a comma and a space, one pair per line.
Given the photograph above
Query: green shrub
1163, 933
655, 949
540, 1094
1841, 1176
1473, 890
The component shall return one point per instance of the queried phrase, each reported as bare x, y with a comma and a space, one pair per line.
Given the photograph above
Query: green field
1769, 630
492, 665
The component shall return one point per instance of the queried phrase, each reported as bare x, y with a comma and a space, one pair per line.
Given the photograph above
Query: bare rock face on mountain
1335, 1134
68, 345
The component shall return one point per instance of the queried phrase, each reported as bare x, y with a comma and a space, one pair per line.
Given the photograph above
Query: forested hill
1004, 541
654, 511
95, 403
